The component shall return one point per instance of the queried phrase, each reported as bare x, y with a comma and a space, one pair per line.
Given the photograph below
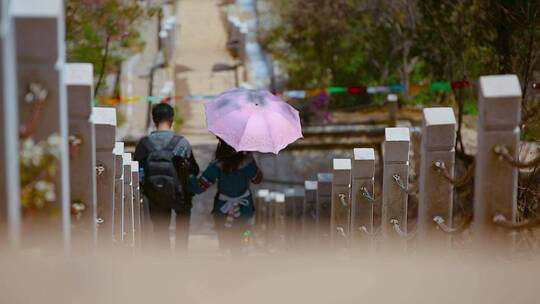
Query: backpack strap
147, 143
173, 143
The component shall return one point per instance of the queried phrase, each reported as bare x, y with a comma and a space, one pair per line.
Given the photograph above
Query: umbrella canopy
253, 120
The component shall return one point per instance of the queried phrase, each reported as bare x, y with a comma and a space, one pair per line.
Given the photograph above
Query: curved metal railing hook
502, 221
441, 223
370, 233
398, 181
366, 195
341, 231
343, 199
399, 231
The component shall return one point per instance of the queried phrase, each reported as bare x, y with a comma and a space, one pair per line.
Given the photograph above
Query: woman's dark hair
162, 112
229, 158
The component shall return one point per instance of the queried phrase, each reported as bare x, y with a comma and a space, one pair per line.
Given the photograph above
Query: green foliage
364, 42
104, 33
470, 108
120, 119
178, 120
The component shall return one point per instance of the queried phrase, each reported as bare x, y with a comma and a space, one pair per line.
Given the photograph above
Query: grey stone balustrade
128, 212
104, 120
341, 199
395, 179
10, 207
260, 207
41, 95
435, 196
118, 202
79, 79
495, 183
279, 216
268, 220
137, 204
294, 201
324, 204
363, 191
309, 217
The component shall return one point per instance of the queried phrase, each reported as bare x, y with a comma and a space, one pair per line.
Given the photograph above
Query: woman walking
233, 204
243, 120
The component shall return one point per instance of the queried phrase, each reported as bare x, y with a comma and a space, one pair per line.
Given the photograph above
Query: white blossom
42, 186
54, 143
36, 154
50, 195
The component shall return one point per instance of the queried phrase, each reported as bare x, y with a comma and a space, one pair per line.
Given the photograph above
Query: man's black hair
162, 112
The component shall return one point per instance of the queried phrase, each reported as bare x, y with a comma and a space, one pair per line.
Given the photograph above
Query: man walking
166, 161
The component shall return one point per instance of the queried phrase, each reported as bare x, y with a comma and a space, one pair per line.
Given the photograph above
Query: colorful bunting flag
295, 94
314, 92
396, 87
460, 85
300, 94
440, 86
336, 90
357, 90
415, 88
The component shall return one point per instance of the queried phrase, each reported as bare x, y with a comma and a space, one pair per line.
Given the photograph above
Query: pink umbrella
253, 120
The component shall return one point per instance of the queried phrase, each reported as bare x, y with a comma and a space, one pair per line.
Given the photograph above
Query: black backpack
165, 175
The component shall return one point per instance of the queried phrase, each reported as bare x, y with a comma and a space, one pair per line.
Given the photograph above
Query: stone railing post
435, 196
128, 213
395, 180
79, 80
137, 205
341, 199
495, 181
279, 216
363, 191
323, 209
39, 41
294, 207
269, 221
104, 120
261, 208
10, 205
118, 202
309, 216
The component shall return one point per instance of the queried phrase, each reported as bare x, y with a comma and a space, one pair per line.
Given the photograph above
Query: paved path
201, 43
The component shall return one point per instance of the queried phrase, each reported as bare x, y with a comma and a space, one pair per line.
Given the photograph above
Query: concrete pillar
392, 102
261, 211
323, 210
269, 222
341, 199
260, 207
39, 40
362, 191
309, 217
104, 120
137, 204
79, 80
395, 179
279, 217
10, 206
294, 201
435, 196
118, 202
495, 182
128, 213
